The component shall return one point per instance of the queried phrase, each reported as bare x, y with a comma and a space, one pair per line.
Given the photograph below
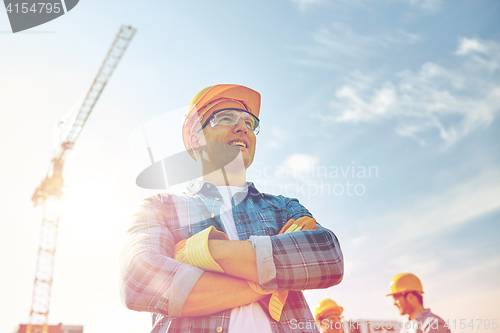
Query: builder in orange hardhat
222, 256
328, 315
406, 290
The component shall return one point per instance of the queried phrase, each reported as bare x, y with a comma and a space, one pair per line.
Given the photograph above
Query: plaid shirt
426, 322
153, 281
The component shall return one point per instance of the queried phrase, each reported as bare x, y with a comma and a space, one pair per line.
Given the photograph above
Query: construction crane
49, 193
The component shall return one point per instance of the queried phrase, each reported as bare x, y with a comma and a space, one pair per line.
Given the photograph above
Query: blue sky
410, 88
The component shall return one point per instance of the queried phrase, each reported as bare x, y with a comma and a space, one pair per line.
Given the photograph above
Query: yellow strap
276, 304
293, 227
286, 226
198, 254
180, 254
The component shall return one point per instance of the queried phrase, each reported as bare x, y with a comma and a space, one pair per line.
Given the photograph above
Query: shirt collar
423, 314
207, 188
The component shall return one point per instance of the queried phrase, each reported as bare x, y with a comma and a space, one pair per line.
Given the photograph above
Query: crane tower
49, 193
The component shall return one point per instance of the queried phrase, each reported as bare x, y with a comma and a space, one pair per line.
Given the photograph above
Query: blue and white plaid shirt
426, 322
153, 281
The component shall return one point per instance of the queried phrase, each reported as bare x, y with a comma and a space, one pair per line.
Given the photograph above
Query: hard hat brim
406, 291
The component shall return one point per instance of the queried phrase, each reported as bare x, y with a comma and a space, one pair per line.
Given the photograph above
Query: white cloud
426, 5
402, 37
450, 102
469, 45
380, 104
299, 164
340, 39
485, 54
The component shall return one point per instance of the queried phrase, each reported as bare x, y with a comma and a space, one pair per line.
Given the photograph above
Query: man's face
238, 135
400, 300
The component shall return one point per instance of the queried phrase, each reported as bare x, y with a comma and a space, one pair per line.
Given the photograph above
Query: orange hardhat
215, 98
325, 308
405, 282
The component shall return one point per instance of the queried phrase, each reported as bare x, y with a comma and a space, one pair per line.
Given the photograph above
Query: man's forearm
237, 258
216, 292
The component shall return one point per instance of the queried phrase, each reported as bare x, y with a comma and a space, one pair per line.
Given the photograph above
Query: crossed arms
153, 281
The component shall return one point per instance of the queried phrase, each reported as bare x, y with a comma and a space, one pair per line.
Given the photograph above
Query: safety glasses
399, 295
230, 117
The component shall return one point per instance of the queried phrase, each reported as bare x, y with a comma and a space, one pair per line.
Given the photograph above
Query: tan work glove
194, 250
278, 298
303, 223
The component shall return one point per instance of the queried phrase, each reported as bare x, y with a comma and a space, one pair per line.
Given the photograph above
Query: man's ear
410, 298
196, 140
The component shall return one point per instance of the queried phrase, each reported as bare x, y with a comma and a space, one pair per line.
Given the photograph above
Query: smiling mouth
238, 144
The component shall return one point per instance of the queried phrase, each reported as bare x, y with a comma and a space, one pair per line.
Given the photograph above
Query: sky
381, 117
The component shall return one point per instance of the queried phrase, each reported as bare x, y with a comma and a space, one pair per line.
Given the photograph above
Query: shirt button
208, 185
217, 199
213, 215
219, 329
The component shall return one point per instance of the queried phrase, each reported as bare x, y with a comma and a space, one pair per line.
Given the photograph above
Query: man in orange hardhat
406, 290
222, 256
328, 316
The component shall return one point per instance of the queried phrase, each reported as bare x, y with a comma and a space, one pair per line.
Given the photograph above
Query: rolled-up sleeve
307, 260
152, 280
300, 260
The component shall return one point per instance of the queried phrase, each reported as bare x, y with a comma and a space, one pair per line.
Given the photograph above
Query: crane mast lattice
49, 193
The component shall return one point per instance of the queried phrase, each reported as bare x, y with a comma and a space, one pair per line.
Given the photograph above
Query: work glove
194, 250
278, 298
303, 223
